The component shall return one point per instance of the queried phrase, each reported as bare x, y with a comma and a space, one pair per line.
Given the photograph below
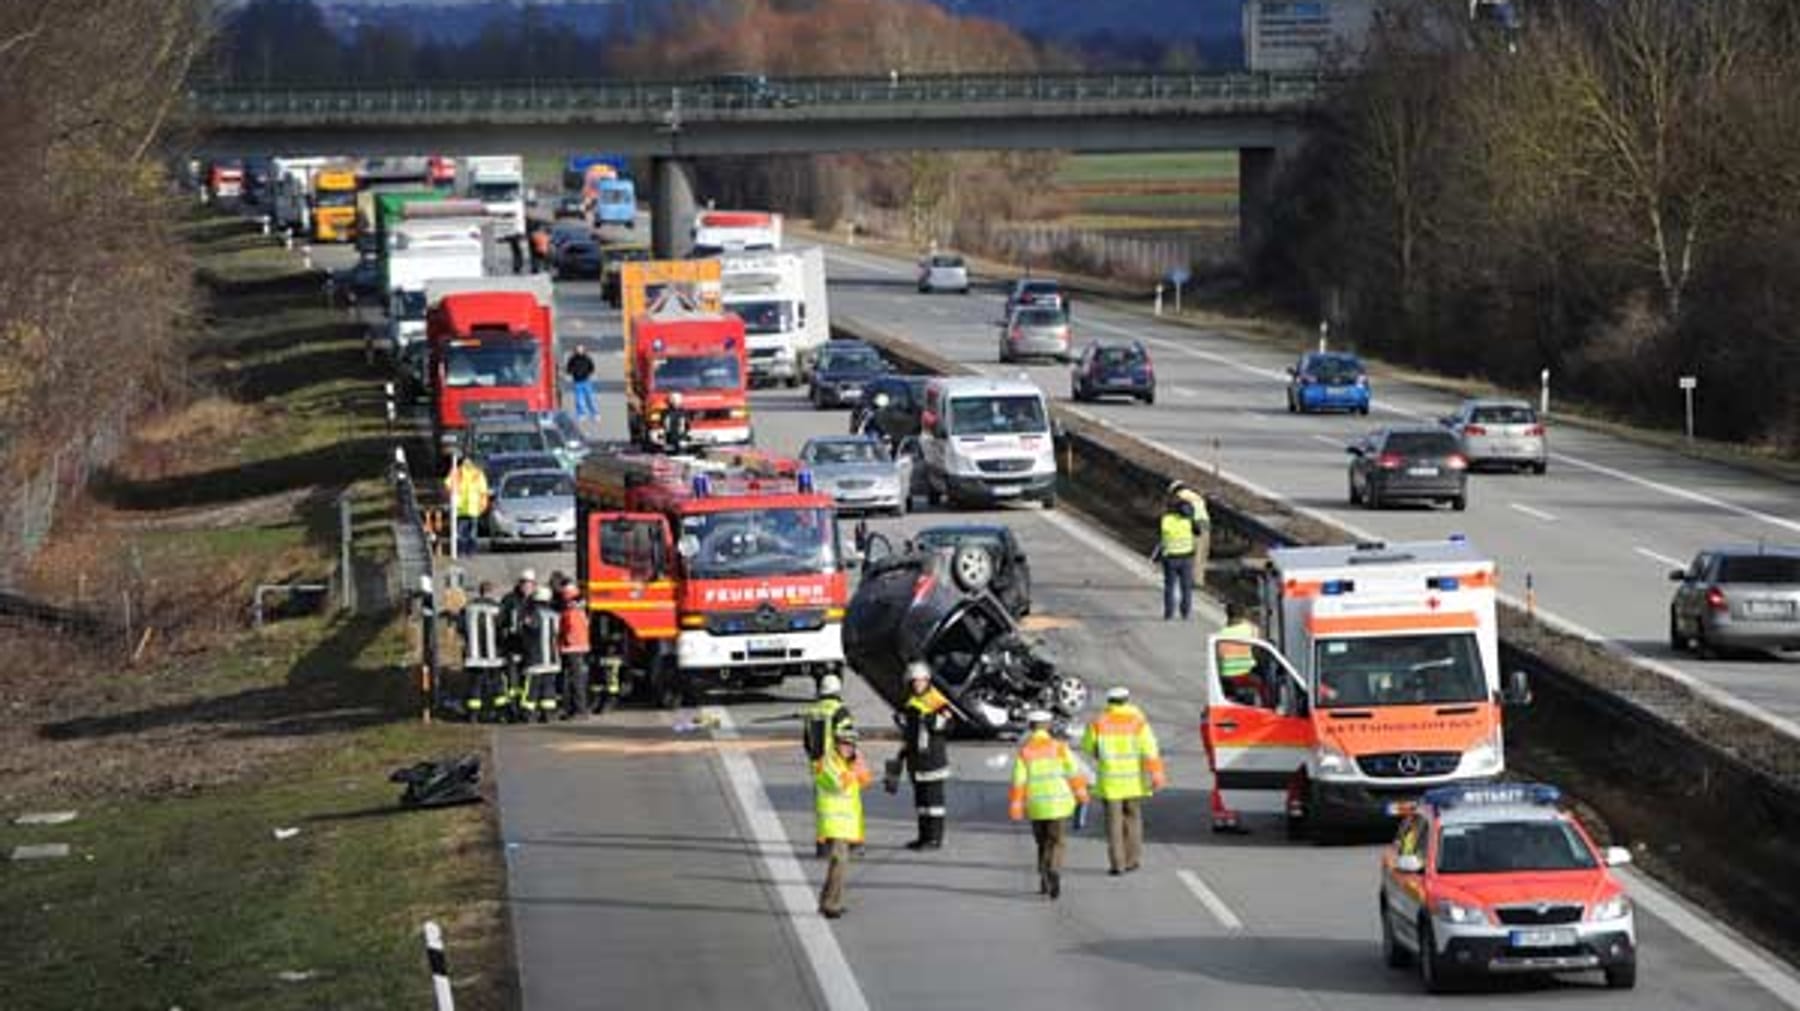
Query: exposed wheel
1395, 956
1622, 977
1460, 503
1070, 695
972, 567
1434, 974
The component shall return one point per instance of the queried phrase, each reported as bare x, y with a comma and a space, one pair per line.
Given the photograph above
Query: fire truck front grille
1408, 764
769, 621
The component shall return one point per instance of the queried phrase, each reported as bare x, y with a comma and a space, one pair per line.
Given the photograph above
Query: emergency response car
1498, 879
1378, 679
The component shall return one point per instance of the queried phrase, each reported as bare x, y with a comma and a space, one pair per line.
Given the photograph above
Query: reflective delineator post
440, 967
1159, 293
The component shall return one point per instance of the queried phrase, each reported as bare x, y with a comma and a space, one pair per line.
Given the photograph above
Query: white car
943, 272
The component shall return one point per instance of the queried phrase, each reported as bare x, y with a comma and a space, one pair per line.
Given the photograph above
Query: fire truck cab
1378, 680
718, 571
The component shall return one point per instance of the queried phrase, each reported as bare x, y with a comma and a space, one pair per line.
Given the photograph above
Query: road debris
46, 818
41, 851
284, 834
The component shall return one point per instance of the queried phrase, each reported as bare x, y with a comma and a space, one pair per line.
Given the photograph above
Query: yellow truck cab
334, 204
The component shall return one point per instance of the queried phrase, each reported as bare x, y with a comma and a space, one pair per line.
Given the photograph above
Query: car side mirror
1292, 371
1678, 575
1353, 450
1448, 421
1409, 863
1518, 689
1617, 856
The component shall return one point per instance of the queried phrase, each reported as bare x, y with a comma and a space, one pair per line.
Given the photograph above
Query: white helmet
831, 684
918, 670
527, 575
541, 595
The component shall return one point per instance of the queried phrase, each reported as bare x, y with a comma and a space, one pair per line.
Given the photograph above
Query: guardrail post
1159, 291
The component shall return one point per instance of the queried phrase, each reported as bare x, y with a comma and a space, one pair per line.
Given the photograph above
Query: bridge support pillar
671, 207
1258, 168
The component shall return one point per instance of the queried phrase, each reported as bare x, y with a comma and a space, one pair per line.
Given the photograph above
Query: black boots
931, 834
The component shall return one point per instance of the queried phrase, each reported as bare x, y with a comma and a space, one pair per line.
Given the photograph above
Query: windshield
409, 305
1759, 569
1503, 414
1332, 368
997, 415
764, 317
846, 451
764, 542
1399, 670
859, 360
495, 193
492, 443
698, 372
485, 365
1501, 846
614, 195
537, 486
1041, 289
335, 198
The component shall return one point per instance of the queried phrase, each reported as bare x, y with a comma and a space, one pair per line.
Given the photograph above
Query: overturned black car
917, 602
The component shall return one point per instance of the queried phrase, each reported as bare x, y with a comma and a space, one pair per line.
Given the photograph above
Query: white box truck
423, 250
781, 297
499, 182
292, 199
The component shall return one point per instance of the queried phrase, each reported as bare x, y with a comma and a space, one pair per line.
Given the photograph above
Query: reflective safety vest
468, 489
821, 724
1123, 744
1236, 659
1177, 536
1046, 780
481, 634
572, 629
837, 796
539, 634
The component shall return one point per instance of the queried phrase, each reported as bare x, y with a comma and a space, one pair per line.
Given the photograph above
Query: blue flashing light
1492, 794
732, 626
796, 623
805, 481
1459, 538
1442, 583
1337, 587
702, 486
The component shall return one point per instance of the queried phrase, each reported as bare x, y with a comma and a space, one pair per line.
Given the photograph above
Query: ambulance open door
1256, 726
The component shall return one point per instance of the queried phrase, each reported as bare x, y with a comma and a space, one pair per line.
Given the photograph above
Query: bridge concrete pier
671, 207
1259, 169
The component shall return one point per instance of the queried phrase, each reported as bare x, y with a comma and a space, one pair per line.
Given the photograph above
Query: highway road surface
1597, 535
654, 868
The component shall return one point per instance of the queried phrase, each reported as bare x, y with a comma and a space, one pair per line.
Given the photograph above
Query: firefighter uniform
1047, 786
838, 781
925, 729
513, 609
1130, 769
573, 646
539, 662
484, 661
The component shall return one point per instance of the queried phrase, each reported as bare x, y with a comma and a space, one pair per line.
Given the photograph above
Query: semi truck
499, 182
291, 203
443, 240
492, 349
1378, 679
714, 571
334, 203
225, 180
718, 232
781, 297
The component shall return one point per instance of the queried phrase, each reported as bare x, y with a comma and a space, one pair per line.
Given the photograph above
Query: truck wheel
1622, 977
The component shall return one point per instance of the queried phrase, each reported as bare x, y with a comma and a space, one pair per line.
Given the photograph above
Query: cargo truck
780, 296
499, 182
1378, 679
444, 240
492, 349
291, 203
578, 170
334, 203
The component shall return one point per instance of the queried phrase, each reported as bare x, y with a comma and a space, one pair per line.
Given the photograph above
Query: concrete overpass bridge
675, 122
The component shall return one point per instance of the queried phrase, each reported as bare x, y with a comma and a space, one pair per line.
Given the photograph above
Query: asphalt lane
1596, 536
654, 867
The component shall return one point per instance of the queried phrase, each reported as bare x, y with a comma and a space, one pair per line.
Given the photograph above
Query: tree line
1612, 194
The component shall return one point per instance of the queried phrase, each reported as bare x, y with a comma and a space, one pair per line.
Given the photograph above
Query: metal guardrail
797, 98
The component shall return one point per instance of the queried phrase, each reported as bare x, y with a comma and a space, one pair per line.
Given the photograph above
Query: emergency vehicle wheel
1622, 977
1395, 956
973, 568
1433, 973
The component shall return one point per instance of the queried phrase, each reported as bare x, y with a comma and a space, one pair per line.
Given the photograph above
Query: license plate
768, 645
1769, 608
850, 394
1543, 937
1006, 491
1422, 471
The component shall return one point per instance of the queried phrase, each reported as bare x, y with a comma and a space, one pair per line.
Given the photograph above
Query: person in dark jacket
539, 627
924, 752
580, 368
513, 608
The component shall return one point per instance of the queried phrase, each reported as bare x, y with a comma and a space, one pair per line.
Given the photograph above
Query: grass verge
186, 741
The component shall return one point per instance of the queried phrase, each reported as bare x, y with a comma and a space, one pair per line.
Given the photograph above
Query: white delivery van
780, 296
984, 440
499, 182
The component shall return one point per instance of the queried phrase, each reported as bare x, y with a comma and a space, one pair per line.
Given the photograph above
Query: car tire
1070, 694
1540, 468
1678, 643
1150, 398
1048, 500
1395, 956
1460, 502
1622, 977
972, 568
1363, 410
1434, 973
1355, 496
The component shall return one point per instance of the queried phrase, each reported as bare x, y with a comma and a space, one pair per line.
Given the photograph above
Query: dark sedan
844, 370
1408, 464
1113, 369
890, 408
578, 258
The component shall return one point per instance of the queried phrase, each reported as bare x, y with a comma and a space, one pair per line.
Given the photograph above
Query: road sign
1690, 382
1180, 275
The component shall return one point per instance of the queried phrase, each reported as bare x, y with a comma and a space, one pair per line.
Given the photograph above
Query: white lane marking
1681, 493
1726, 945
1534, 513
1138, 566
837, 253
1184, 393
1673, 563
1215, 905
1328, 440
837, 984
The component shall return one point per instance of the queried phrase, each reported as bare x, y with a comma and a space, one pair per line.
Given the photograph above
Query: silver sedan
533, 507
1036, 332
859, 473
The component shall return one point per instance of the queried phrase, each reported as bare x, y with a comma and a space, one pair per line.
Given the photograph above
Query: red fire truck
492, 348
718, 571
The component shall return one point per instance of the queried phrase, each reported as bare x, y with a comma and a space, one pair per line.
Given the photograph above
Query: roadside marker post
1544, 394
440, 967
1159, 293
1688, 385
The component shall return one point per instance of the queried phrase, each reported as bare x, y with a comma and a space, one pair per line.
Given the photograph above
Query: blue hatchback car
1328, 381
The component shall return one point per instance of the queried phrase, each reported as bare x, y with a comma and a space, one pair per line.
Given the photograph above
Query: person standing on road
513, 609
1175, 548
925, 754
1202, 526
468, 489
838, 781
821, 724
573, 646
1047, 785
1130, 770
538, 634
484, 657
580, 368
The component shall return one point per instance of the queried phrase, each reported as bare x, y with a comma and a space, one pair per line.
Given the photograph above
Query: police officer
1130, 768
1047, 786
1176, 543
484, 658
838, 781
924, 752
539, 661
1202, 525
822, 723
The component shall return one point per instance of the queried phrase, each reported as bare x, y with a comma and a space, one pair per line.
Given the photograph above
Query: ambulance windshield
1402, 670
